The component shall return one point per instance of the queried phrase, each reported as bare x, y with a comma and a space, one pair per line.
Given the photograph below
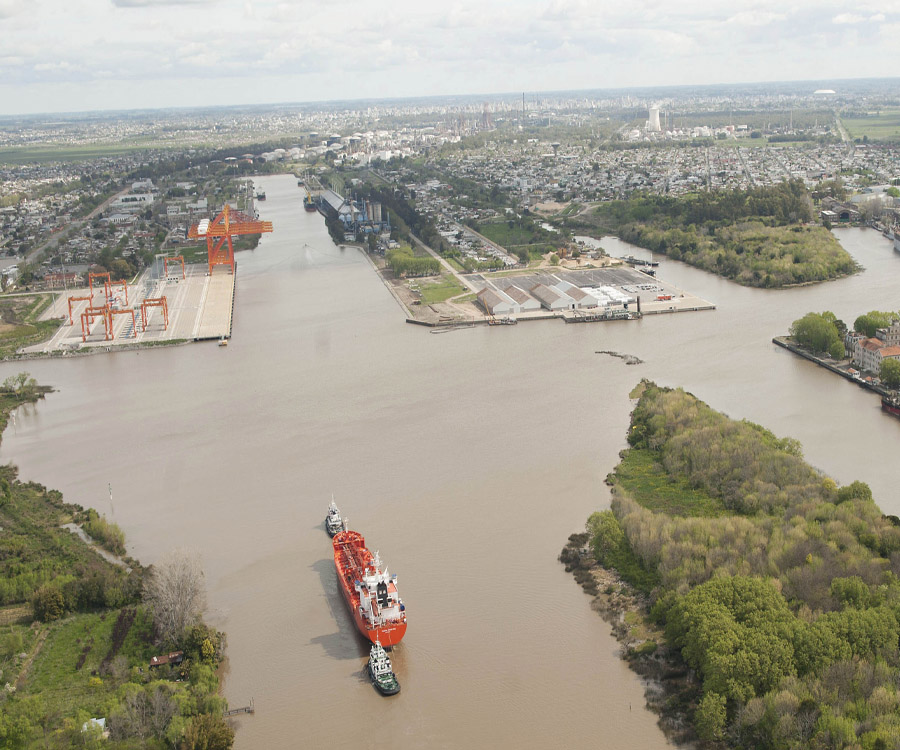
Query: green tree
855, 491
22, 383
867, 324
818, 333
710, 716
208, 732
890, 373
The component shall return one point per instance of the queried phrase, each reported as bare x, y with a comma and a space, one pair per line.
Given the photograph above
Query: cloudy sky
75, 55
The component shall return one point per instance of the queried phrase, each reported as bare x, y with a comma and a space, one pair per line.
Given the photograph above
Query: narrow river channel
467, 459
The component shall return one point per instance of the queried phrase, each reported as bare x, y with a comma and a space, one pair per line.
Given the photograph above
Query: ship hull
388, 634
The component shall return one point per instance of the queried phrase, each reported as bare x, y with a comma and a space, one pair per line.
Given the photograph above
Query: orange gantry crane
87, 320
160, 302
173, 259
219, 231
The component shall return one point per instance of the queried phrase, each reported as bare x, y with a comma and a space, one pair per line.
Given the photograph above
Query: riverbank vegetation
820, 333
78, 631
19, 324
756, 237
778, 588
824, 332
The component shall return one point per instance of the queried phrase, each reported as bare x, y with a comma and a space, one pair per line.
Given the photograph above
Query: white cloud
156, 3
9, 8
848, 18
416, 47
756, 18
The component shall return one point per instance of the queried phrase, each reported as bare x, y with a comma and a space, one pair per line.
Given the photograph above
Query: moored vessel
333, 521
891, 405
381, 671
370, 591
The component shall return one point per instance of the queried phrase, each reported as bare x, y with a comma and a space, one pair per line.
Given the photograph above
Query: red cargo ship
371, 593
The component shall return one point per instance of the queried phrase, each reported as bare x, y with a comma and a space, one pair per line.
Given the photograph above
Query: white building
551, 298
496, 302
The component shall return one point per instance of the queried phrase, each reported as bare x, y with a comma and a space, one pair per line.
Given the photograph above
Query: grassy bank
776, 590
77, 633
20, 325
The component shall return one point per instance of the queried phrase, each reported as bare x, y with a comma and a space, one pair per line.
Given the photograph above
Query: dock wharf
242, 710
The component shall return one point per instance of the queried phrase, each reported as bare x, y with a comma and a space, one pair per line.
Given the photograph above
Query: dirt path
38, 644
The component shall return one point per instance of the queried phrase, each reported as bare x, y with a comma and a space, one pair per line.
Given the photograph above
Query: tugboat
381, 672
333, 521
370, 591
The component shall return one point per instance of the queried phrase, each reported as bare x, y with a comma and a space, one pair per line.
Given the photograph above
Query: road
845, 136
77, 224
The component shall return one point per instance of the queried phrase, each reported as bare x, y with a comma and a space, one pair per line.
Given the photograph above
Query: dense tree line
786, 603
753, 236
784, 203
403, 263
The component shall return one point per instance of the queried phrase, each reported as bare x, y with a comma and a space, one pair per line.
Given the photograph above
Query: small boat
381, 672
333, 521
223, 341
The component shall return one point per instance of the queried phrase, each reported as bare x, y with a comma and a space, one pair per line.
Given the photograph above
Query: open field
49, 153
441, 291
883, 126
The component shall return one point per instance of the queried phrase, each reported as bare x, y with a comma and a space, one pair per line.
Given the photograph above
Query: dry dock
198, 307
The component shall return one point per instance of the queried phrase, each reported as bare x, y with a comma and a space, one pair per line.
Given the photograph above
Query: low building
523, 299
581, 298
867, 356
497, 302
552, 298
175, 657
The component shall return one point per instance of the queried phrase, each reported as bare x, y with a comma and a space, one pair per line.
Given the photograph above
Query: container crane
219, 231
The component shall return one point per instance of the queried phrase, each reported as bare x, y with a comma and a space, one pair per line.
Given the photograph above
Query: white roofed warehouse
496, 302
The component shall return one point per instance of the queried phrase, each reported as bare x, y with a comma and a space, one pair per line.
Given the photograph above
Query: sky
81, 55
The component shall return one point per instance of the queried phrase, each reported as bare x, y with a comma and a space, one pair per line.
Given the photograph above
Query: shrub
48, 603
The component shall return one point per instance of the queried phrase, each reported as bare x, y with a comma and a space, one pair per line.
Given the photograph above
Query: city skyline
136, 54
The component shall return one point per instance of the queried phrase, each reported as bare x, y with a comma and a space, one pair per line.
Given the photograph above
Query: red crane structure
124, 311
87, 319
88, 298
219, 231
174, 259
154, 302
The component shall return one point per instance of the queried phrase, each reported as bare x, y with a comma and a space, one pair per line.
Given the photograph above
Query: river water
466, 458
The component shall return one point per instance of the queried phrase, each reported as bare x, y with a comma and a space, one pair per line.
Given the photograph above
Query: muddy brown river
466, 459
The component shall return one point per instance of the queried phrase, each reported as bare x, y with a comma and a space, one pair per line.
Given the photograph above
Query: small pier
242, 710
